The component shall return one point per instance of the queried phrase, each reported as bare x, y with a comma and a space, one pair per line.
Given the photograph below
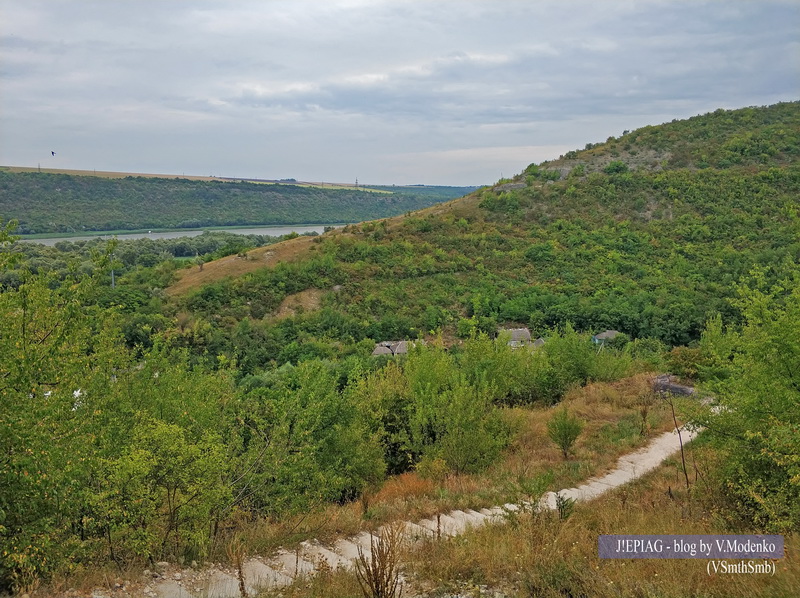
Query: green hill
64, 203
647, 234
231, 414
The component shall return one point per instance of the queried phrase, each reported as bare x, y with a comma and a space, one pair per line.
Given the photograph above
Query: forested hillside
599, 239
141, 420
64, 203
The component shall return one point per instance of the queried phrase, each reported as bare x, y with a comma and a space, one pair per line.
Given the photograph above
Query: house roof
518, 334
607, 335
392, 347
400, 348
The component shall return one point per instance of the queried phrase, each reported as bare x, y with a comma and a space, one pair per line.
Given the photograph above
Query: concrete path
286, 566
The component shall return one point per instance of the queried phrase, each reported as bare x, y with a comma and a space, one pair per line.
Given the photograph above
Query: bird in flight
53, 153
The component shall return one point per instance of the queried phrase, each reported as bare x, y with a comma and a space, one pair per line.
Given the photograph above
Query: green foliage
302, 443
159, 445
616, 167
754, 376
450, 418
563, 429
650, 252
157, 498
67, 203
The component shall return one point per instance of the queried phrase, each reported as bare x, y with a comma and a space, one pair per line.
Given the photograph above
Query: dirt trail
281, 569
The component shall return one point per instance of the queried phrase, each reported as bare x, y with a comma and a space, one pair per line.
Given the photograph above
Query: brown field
233, 265
105, 173
121, 175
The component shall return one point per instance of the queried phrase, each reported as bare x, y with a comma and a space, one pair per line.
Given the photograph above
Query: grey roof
538, 342
607, 335
393, 347
518, 334
400, 348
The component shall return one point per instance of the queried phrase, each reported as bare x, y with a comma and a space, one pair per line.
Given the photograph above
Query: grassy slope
647, 234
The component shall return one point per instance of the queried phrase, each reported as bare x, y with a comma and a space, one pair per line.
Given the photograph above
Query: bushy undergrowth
109, 453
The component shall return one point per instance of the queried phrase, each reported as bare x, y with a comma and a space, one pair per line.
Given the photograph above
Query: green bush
563, 429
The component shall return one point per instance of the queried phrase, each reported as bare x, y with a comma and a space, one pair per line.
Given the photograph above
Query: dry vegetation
610, 411
540, 555
105, 173
233, 265
298, 303
613, 424
544, 556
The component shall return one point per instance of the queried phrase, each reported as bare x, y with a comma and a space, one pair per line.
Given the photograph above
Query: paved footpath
284, 567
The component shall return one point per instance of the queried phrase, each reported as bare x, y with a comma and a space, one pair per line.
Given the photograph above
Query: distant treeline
59, 203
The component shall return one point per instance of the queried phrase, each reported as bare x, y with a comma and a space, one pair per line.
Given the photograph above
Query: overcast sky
396, 91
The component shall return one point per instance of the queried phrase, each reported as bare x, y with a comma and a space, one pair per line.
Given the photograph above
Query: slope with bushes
651, 252
174, 425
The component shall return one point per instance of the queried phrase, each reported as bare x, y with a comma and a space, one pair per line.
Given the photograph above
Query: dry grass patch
326, 584
302, 302
540, 555
233, 266
613, 428
263, 536
107, 174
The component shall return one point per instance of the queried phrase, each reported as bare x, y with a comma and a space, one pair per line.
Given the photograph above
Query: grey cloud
312, 86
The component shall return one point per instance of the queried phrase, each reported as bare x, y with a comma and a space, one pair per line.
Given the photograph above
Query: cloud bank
403, 91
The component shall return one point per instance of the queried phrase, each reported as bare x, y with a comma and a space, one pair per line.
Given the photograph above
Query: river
275, 231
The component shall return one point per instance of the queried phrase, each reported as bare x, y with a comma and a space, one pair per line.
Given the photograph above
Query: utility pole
113, 280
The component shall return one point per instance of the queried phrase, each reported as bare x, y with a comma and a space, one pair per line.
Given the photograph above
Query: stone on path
261, 576
221, 585
317, 553
171, 589
292, 564
348, 550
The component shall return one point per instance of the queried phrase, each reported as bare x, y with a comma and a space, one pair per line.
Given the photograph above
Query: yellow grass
121, 175
233, 265
105, 173
541, 555
302, 302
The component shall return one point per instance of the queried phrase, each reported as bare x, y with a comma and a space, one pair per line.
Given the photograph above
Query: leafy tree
755, 377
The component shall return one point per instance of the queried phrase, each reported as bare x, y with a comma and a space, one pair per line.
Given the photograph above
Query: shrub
564, 429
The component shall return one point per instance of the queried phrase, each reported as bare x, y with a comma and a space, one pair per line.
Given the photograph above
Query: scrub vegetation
159, 414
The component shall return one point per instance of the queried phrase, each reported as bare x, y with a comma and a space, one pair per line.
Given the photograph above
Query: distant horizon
444, 93
199, 177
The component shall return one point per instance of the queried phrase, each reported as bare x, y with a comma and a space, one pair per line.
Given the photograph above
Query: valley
214, 398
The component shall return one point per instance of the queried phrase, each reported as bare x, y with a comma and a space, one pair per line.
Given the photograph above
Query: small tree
564, 429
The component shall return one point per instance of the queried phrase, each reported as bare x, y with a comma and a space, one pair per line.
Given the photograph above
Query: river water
275, 231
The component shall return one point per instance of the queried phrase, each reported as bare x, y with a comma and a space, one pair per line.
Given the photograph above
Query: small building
538, 342
600, 339
518, 337
392, 347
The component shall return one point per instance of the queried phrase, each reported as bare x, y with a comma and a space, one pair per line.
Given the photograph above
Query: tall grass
544, 556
